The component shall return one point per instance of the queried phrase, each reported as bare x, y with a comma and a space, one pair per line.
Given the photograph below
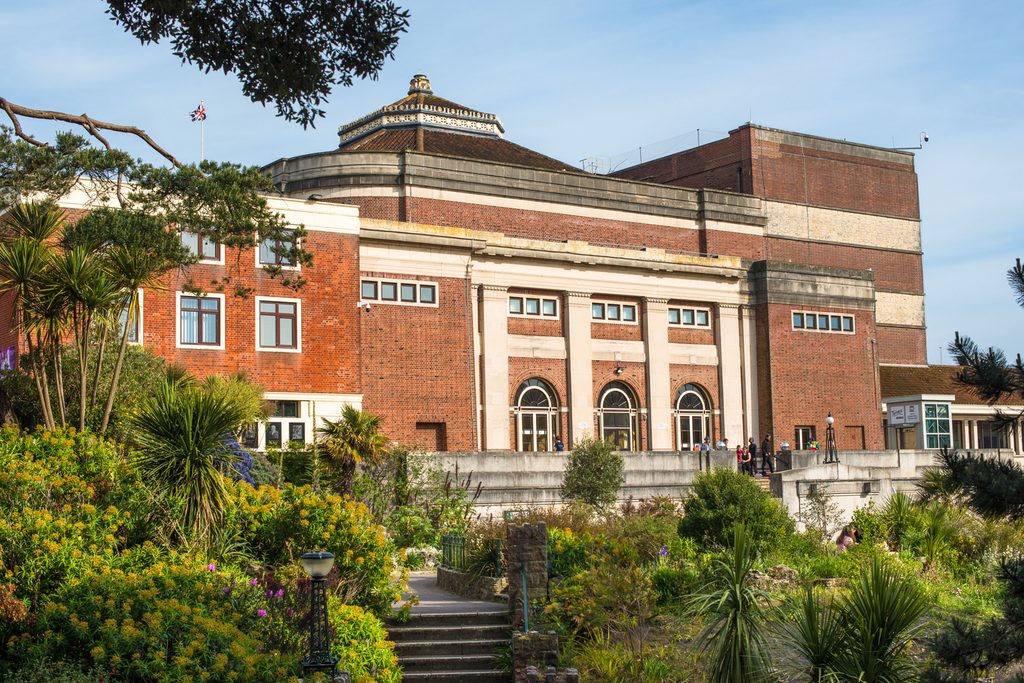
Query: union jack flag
200, 113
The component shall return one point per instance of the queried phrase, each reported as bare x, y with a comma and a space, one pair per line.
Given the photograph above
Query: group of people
746, 457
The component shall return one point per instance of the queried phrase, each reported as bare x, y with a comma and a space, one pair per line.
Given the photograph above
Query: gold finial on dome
420, 83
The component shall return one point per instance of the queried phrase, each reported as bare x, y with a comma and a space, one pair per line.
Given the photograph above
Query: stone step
415, 648
457, 619
448, 663
406, 634
482, 676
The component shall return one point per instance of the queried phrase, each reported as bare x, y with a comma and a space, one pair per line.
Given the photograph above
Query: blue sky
576, 79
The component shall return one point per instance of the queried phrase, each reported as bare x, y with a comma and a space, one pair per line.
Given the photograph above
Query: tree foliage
286, 52
593, 473
722, 498
349, 441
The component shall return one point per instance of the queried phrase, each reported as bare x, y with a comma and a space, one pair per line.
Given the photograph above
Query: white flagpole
202, 134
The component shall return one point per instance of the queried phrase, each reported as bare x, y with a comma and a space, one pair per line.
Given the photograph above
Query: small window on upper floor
409, 293
277, 252
532, 306
607, 311
205, 249
689, 317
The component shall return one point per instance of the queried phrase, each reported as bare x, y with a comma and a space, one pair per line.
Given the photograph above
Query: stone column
494, 345
526, 548
659, 384
730, 382
581, 369
748, 320
975, 443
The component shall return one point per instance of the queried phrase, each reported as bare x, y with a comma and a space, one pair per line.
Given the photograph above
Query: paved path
434, 600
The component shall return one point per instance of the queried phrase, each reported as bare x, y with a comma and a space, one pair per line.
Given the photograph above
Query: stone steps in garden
452, 647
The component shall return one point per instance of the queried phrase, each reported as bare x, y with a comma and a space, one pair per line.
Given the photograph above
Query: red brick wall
713, 165
417, 366
809, 176
906, 345
8, 334
895, 271
734, 244
329, 362
813, 373
791, 173
382, 208
541, 327
550, 226
618, 331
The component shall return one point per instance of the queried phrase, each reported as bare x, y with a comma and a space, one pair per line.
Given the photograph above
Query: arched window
536, 412
617, 413
693, 417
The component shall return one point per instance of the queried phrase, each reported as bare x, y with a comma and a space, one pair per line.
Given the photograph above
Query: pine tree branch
92, 126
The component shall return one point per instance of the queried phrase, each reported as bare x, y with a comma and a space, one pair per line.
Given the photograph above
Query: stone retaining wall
488, 588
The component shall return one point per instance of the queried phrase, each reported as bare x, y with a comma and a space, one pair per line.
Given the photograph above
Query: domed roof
424, 122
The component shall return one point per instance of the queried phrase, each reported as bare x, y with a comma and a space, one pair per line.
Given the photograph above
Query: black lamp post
831, 456
320, 660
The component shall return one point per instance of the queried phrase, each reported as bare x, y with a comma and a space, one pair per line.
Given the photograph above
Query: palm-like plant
131, 268
865, 635
883, 613
179, 433
349, 441
735, 635
817, 633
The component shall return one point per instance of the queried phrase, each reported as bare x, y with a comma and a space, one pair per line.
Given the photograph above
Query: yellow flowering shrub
278, 525
59, 507
177, 620
361, 644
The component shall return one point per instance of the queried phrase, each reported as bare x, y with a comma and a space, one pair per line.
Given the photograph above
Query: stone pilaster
748, 322
581, 370
659, 389
494, 345
730, 379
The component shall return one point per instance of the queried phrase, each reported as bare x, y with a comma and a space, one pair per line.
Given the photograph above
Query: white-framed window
537, 416
401, 292
206, 249
276, 253
617, 416
937, 426
693, 417
131, 319
812, 321
614, 312
200, 321
278, 324
684, 316
990, 436
528, 306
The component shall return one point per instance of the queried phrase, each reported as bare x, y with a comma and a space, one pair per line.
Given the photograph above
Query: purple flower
227, 589
211, 567
289, 613
663, 552
254, 582
261, 613
268, 593
279, 593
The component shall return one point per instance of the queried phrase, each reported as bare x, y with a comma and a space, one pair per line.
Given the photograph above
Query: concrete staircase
452, 647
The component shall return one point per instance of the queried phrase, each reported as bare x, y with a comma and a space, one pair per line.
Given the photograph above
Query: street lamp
831, 456
318, 566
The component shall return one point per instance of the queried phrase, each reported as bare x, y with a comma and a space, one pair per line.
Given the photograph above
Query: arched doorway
693, 417
617, 416
536, 413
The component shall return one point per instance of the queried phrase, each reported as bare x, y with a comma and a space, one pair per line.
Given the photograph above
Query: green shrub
411, 528
570, 552
593, 473
606, 597
277, 525
264, 472
361, 644
722, 498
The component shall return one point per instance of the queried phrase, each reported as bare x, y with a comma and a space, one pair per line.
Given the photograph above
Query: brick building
479, 295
